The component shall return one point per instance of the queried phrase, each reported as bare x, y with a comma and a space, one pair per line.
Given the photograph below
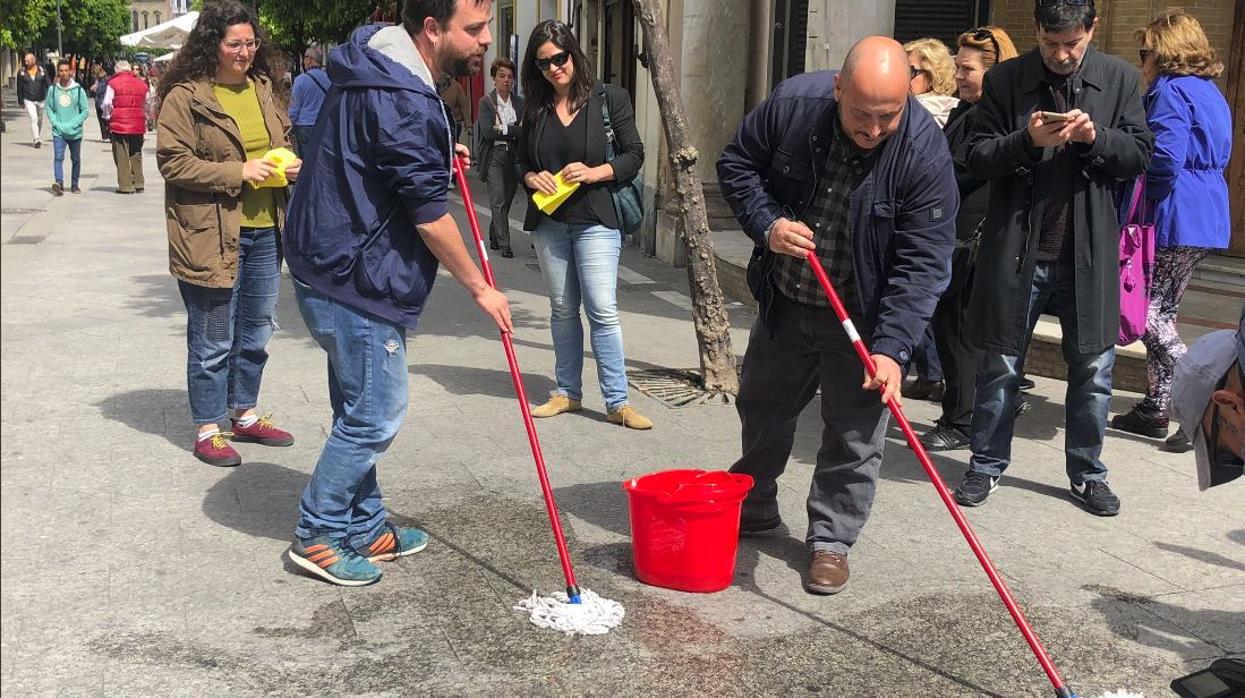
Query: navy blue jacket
379, 167
902, 214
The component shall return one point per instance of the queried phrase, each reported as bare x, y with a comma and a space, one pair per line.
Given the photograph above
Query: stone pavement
131, 569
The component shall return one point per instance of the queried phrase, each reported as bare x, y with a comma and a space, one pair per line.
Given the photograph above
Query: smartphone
1052, 116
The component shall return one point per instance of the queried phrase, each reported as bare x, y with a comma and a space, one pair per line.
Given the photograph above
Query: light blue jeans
368, 394
580, 264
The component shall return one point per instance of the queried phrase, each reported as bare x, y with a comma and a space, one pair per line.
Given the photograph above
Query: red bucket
685, 527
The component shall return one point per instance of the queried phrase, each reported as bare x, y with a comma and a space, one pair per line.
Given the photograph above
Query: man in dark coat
853, 168
1051, 237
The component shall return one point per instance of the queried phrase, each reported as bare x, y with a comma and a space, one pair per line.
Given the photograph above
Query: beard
461, 65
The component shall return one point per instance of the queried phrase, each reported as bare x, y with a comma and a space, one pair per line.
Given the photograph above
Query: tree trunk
717, 360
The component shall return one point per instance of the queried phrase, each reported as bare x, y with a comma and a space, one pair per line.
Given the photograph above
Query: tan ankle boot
628, 417
558, 403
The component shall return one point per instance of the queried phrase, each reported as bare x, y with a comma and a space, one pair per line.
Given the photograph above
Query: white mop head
592, 616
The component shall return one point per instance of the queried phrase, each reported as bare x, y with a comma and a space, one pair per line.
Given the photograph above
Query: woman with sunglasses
978, 51
1186, 194
217, 119
933, 77
579, 243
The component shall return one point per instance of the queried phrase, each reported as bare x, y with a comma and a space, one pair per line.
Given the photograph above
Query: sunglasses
983, 34
557, 59
1144, 53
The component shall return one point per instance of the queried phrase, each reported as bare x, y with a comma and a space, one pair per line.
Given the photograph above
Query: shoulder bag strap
609, 126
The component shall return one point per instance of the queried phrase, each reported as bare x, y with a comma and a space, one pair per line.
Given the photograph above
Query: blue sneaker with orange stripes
394, 542
334, 561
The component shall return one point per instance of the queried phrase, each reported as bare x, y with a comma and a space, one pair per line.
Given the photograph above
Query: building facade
148, 13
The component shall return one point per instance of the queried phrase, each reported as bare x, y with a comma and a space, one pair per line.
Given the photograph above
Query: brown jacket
200, 154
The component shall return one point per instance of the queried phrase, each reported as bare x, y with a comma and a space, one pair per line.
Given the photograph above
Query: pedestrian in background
498, 133
579, 244
1051, 238
455, 97
306, 97
369, 226
1208, 400
979, 50
933, 77
99, 88
1185, 189
68, 109
125, 107
32, 90
224, 246
850, 167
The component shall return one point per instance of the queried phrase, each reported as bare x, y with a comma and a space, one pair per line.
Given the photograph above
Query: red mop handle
572, 590
999, 585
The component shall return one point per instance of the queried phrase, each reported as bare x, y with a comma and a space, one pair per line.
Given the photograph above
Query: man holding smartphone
1052, 236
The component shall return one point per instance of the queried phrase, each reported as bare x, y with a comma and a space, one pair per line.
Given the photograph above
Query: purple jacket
1185, 182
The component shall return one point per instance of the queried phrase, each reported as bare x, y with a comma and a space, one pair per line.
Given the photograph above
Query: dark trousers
127, 151
103, 124
302, 139
1088, 396
959, 358
804, 347
503, 179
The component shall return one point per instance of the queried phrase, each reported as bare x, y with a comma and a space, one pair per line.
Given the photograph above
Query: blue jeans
58, 159
228, 329
368, 392
1088, 395
580, 263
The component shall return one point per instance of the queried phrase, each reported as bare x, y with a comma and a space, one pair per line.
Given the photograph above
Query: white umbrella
170, 34
165, 58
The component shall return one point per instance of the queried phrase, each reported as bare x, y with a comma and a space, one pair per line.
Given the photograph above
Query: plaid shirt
845, 168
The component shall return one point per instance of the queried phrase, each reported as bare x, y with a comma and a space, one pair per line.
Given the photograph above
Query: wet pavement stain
442, 624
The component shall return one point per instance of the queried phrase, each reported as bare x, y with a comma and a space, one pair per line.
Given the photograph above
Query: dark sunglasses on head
983, 34
558, 59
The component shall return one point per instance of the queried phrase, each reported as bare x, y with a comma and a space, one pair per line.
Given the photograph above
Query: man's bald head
872, 90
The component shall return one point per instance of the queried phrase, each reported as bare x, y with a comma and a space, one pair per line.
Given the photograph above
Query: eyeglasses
983, 34
913, 71
558, 59
1055, 3
1144, 53
237, 46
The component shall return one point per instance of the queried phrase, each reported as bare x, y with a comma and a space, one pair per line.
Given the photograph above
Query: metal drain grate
675, 387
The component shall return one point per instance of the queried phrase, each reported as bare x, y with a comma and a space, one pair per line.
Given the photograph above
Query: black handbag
628, 196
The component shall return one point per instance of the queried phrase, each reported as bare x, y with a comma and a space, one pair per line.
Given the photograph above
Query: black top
559, 146
1055, 243
628, 158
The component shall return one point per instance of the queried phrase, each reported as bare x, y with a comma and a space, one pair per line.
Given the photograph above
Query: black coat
33, 89
974, 195
1106, 88
628, 155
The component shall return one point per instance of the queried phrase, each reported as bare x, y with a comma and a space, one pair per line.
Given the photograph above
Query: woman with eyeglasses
579, 243
977, 52
1186, 193
217, 120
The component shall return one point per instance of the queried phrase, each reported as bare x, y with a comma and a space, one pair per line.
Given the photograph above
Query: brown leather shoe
827, 573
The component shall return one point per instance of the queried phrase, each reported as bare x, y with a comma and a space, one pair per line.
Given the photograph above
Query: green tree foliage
91, 27
294, 24
22, 21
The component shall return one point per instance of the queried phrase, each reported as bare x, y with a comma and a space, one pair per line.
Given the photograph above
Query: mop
1061, 689
577, 611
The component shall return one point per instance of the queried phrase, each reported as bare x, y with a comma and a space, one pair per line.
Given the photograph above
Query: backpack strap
323, 86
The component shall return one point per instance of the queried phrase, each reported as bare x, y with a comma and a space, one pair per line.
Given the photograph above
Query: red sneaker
215, 450
263, 431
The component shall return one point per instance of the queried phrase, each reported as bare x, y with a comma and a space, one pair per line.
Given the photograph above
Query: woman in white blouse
497, 132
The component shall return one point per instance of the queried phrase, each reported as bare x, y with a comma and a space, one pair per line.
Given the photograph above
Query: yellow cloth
241, 103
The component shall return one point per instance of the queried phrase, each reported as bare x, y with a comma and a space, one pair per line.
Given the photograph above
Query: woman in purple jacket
1185, 190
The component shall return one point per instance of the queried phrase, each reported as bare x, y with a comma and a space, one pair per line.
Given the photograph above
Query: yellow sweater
240, 102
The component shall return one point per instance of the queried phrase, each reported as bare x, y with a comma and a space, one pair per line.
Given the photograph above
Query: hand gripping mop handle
1061, 690
572, 589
